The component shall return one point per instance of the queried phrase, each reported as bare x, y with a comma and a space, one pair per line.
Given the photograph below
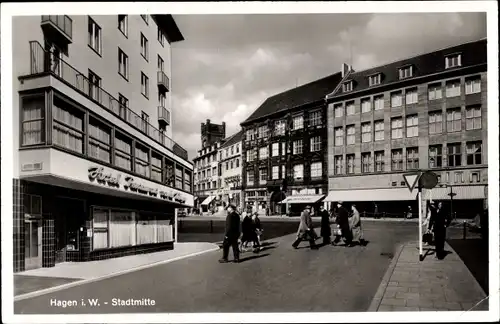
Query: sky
229, 64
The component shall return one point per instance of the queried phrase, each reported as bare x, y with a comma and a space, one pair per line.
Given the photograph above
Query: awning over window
208, 200
302, 199
459, 193
387, 194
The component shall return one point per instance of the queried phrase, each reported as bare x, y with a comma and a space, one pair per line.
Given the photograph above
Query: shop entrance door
67, 221
32, 243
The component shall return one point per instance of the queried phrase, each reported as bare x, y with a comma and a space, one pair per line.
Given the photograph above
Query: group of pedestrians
437, 221
239, 233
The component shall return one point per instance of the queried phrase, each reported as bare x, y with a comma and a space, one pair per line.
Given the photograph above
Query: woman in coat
355, 224
306, 230
247, 229
326, 231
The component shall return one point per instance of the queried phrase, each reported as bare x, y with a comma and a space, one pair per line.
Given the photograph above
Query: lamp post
451, 194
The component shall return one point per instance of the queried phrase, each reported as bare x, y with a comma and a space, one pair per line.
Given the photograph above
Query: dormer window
453, 60
347, 86
375, 79
406, 72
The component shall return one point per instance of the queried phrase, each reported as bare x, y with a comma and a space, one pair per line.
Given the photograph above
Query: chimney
345, 69
208, 122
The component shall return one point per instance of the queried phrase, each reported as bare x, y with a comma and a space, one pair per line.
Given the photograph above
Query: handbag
427, 238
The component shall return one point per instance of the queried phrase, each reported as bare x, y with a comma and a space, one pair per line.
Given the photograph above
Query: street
278, 279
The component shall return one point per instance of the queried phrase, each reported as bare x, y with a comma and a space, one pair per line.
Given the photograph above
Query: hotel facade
428, 112
97, 174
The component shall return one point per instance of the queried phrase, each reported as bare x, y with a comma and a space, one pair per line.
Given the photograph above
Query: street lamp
451, 194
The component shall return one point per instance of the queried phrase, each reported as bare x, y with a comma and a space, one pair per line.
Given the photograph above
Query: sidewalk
430, 285
75, 273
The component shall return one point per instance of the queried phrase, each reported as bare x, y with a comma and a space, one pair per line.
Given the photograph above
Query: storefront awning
387, 194
459, 193
302, 199
208, 200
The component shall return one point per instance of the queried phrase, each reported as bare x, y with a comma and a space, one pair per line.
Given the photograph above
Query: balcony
163, 116
43, 62
163, 81
59, 28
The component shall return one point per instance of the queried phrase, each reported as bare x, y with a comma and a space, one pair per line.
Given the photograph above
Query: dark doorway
68, 219
276, 207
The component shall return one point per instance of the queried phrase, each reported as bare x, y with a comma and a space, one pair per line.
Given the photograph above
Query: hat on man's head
340, 202
232, 206
308, 207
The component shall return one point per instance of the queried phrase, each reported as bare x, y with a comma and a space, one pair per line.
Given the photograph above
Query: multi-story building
427, 112
230, 166
206, 165
212, 133
97, 174
285, 148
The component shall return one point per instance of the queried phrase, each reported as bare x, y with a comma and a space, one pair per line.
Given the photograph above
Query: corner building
425, 112
97, 174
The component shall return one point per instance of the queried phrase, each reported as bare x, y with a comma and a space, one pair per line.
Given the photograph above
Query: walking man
306, 230
231, 236
439, 221
343, 222
326, 231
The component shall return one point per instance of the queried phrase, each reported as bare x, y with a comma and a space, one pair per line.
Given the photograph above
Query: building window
99, 141
33, 120
406, 72
276, 172
375, 79
473, 117
339, 164
156, 167
315, 143
251, 135
123, 152
350, 163
298, 171
315, 118
435, 122
452, 61
459, 177
251, 155
366, 105
263, 132
94, 86
379, 130
350, 108
283, 171
412, 126
338, 110
453, 120
250, 178
263, 176
161, 37
95, 40
411, 96
279, 127
68, 127
144, 47
435, 91
436, 156
263, 153
298, 122
379, 161
144, 85
237, 163
474, 177
141, 160
412, 158
339, 136
453, 88
227, 166
396, 99
351, 135
397, 159
397, 127
144, 122
123, 24
276, 149
366, 132
378, 102
474, 153
316, 170
122, 64
297, 147
454, 154
145, 18
283, 148
123, 101
366, 162
161, 64
473, 85
347, 86
237, 148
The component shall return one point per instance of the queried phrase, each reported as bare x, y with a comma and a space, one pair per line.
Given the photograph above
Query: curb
115, 274
377, 299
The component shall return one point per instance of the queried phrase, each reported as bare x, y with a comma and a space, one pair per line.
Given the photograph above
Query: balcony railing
163, 115
163, 81
63, 23
42, 61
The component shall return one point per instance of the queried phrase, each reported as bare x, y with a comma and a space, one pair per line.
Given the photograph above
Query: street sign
411, 179
428, 180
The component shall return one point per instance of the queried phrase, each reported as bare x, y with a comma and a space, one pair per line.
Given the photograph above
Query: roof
302, 95
169, 26
233, 139
472, 53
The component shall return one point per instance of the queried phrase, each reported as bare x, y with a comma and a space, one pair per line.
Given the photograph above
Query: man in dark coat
343, 222
326, 231
231, 236
438, 222
306, 230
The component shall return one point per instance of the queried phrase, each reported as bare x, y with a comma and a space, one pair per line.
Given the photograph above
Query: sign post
176, 222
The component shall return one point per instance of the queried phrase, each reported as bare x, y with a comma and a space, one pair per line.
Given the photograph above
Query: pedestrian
326, 231
267, 211
258, 227
306, 230
343, 222
231, 236
409, 214
375, 211
356, 229
246, 229
438, 223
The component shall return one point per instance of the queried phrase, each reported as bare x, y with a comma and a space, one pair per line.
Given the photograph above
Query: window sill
124, 77
94, 50
124, 34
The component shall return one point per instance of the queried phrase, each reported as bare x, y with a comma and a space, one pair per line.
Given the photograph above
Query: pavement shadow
253, 257
431, 251
265, 248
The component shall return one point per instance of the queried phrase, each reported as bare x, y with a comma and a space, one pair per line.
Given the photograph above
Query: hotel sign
131, 184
